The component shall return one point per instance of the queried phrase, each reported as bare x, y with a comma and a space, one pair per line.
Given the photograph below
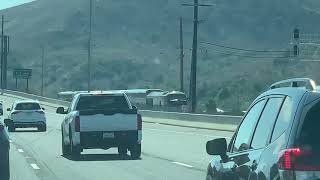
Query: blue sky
4, 4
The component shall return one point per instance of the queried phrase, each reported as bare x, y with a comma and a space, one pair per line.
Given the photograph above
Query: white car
25, 114
101, 121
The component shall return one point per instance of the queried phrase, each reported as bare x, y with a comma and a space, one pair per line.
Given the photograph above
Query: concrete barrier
36, 97
217, 119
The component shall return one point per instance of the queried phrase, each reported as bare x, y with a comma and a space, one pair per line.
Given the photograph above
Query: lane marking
182, 164
35, 166
20, 150
187, 133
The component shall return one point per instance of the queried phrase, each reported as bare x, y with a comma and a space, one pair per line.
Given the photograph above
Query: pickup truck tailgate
108, 121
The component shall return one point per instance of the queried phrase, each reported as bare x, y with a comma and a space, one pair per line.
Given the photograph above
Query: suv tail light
77, 124
296, 159
139, 121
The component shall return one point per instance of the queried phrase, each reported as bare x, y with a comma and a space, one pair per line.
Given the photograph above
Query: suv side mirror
217, 147
8, 109
43, 108
60, 110
134, 107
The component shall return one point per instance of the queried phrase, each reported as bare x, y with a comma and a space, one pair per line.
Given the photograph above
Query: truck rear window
27, 106
102, 102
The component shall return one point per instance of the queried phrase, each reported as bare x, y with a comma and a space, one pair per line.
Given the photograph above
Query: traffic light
296, 34
295, 50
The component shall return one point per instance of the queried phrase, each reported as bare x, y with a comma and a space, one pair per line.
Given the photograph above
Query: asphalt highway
168, 153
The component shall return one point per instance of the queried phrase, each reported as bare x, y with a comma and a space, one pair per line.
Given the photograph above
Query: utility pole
193, 73
42, 67
2, 52
89, 48
181, 57
5, 60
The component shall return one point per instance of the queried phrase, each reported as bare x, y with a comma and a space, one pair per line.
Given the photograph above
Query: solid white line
182, 164
34, 166
20, 150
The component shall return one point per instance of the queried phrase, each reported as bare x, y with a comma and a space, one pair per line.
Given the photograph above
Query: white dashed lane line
20, 150
35, 166
182, 164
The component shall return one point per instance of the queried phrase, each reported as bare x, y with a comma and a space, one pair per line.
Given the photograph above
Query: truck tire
122, 150
42, 128
65, 148
135, 151
75, 152
11, 128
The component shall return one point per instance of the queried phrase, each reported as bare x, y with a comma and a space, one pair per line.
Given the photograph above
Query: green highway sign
22, 73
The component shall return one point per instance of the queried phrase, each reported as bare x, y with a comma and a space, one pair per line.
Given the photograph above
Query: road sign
22, 73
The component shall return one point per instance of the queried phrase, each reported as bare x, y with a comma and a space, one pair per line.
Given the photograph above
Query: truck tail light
296, 159
41, 112
16, 112
77, 124
139, 121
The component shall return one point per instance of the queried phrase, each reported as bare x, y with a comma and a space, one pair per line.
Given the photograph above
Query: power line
241, 49
247, 56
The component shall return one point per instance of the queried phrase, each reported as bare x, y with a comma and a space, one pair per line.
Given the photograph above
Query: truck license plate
108, 135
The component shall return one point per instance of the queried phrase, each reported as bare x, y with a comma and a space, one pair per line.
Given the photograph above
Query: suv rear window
310, 132
27, 106
102, 102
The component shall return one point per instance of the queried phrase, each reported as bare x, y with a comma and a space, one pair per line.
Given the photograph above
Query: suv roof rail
308, 83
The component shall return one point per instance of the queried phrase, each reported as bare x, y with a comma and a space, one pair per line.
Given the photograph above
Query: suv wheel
135, 151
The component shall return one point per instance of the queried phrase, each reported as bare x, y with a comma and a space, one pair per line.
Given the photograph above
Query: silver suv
277, 139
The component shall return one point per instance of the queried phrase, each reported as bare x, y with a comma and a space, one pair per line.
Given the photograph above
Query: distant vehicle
4, 153
154, 99
278, 137
102, 120
25, 114
68, 95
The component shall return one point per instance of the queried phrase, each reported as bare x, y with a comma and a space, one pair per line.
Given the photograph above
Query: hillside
135, 45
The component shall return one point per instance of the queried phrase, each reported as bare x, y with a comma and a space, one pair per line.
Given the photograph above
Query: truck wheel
11, 128
65, 148
135, 151
122, 150
42, 128
75, 152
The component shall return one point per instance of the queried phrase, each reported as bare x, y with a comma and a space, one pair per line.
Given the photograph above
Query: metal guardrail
219, 119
